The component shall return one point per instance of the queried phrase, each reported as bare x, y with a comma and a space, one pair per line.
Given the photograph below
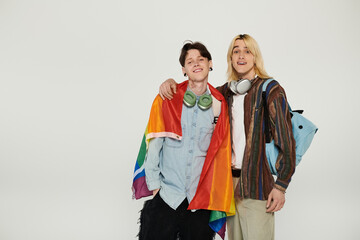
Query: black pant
158, 221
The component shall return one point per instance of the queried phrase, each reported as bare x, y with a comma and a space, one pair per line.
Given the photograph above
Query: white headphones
241, 86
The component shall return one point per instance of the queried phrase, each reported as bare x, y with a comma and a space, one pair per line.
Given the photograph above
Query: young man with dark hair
188, 160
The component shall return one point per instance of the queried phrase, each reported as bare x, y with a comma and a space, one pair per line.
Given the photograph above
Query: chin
198, 80
243, 73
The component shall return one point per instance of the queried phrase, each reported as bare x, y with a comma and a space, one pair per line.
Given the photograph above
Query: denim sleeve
152, 163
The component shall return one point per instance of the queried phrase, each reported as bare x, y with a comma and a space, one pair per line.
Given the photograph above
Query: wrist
283, 190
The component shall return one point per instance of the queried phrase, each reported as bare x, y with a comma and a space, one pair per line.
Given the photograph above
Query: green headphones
204, 103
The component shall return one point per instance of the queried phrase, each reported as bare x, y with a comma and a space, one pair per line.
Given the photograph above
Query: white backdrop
77, 79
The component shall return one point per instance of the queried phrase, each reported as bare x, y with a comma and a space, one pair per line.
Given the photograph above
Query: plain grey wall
77, 79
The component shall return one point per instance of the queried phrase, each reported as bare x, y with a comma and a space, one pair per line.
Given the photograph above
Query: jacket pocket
205, 138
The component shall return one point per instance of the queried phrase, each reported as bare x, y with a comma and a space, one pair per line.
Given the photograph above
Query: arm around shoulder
167, 89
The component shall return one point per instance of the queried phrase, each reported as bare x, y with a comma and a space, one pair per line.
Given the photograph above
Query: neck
199, 88
248, 75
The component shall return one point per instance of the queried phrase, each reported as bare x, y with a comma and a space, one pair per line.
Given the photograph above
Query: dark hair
196, 45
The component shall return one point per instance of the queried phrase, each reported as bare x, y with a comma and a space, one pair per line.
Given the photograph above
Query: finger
164, 91
280, 204
269, 201
173, 86
162, 96
169, 90
277, 208
161, 92
167, 95
271, 207
268, 204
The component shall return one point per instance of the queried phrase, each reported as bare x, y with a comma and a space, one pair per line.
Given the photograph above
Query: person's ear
183, 70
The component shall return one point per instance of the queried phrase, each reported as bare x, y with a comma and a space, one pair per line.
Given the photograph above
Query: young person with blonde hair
256, 192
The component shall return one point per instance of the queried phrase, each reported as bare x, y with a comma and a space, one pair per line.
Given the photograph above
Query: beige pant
251, 221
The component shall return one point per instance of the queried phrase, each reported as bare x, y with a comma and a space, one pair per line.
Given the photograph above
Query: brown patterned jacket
256, 181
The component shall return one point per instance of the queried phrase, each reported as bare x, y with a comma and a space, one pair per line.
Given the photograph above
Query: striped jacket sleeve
281, 130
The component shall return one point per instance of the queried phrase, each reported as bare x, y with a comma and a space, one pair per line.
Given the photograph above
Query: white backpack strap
216, 106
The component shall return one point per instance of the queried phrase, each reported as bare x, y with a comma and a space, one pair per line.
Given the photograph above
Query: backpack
303, 130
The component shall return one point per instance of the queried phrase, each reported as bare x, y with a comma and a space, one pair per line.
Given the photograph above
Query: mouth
241, 63
197, 70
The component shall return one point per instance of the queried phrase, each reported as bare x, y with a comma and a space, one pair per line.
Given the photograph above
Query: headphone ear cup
232, 86
205, 102
189, 99
243, 86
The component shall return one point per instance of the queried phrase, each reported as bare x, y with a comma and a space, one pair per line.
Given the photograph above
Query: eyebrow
238, 47
195, 57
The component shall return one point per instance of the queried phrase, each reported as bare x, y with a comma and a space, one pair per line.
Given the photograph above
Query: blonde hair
253, 47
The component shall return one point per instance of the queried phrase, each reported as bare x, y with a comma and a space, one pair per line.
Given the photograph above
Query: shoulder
215, 92
268, 83
157, 101
183, 84
181, 88
273, 89
222, 88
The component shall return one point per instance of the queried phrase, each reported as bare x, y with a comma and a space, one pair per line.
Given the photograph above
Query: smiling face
196, 66
243, 60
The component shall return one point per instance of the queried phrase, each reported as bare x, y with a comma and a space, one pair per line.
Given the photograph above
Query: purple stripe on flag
140, 188
221, 232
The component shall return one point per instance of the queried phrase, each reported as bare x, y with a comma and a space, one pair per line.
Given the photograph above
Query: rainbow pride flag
215, 190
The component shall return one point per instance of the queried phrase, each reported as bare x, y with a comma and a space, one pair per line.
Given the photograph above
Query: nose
196, 63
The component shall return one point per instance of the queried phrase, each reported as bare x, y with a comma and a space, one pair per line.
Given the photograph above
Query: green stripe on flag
215, 215
142, 152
